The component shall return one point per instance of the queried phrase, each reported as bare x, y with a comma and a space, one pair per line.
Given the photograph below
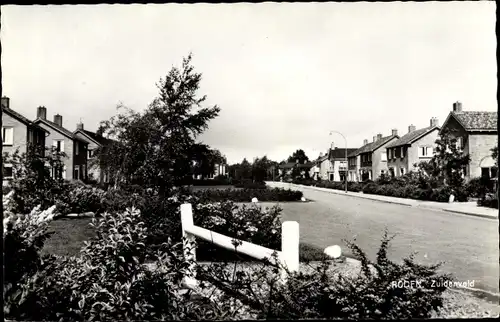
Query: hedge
440, 194
246, 195
489, 200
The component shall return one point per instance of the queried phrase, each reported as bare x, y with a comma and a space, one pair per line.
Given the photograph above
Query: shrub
489, 200
374, 293
33, 182
81, 199
249, 184
478, 187
245, 195
23, 238
217, 181
109, 280
248, 223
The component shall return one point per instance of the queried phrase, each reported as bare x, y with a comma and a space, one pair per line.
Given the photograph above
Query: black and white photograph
250, 161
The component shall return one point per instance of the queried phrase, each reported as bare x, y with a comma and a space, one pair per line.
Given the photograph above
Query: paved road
467, 245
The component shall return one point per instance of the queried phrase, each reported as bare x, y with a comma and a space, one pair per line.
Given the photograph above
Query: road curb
470, 214
362, 196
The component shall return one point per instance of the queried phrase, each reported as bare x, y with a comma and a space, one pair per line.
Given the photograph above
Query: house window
91, 153
58, 145
383, 156
425, 151
84, 171
7, 171
402, 171
7, 135
77, 148
331, 176
460, 143
403, 151
390, 153
391, 172
76, 174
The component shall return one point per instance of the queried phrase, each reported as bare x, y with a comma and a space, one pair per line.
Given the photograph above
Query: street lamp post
346, 163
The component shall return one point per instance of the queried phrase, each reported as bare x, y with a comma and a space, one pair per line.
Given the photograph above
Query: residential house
18, 132
286, 169
370, 161
333, 165
75, 163
219, 170
476, 133
95, 141
412, 148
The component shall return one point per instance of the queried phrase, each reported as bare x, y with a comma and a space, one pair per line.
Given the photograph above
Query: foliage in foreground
109, 281
374, 293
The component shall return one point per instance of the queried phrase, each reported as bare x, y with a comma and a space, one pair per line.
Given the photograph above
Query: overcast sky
284, 75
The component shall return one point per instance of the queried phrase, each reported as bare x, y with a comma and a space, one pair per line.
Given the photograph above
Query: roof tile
472, 120
412, 136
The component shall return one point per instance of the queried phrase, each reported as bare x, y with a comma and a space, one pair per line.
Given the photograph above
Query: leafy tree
299, 155
494, 155
205, 160
261, 169
157, 147
447, 166
34, 183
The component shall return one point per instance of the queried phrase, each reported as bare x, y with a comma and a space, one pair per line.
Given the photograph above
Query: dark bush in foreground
381, 290
489, 200
246, 195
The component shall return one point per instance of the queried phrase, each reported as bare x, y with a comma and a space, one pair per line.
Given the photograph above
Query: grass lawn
67, 236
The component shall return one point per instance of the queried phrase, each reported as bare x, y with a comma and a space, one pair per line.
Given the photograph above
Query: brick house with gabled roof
332, 165
18, 133
75, 163
476, 133
370, 161
415, 146
95, 141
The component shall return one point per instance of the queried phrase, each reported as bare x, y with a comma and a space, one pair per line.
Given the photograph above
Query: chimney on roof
365, 142
434, 122
58, 119
79, 126
6, 102
411, 128
379, 136
457, 106
41, 112
394, 132
374, 138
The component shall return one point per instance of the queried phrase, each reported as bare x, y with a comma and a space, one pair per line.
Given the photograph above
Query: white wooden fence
288, 256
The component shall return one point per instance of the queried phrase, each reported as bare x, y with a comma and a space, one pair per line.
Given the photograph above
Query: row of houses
476, 133
79, 145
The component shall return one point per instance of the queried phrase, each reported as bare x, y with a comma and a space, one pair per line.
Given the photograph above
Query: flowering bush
81, 199
23, 238
245, 195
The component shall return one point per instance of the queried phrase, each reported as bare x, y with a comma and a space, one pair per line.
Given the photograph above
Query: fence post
289, 247
188, 245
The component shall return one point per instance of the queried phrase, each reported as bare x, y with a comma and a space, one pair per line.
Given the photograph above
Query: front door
331, 176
